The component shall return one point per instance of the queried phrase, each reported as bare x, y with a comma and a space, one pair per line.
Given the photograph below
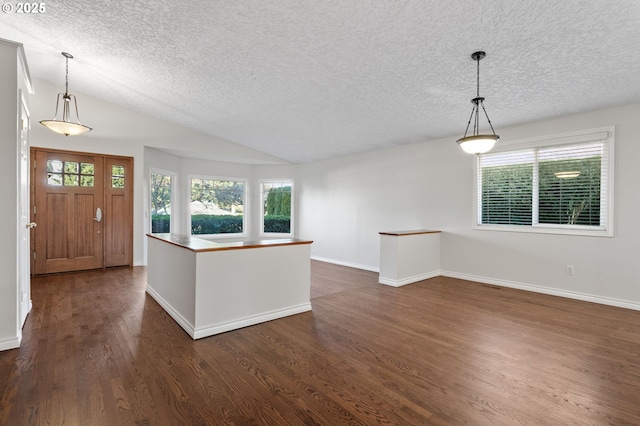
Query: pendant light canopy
477, 143
66, 126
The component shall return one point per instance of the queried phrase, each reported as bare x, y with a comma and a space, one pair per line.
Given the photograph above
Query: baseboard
139, 263
409, 280
546, 290
348, 264
12, 343
182, 321
619, 303
212, 329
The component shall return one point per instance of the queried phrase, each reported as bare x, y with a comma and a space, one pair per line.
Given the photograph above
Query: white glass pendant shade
478, 144
65, 128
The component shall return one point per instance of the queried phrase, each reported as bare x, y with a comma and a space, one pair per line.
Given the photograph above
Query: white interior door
24, 272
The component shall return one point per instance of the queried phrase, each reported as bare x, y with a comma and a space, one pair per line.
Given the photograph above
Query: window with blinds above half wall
559, 184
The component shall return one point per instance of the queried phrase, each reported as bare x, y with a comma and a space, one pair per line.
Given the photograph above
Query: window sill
276, 234
585, 232
219, 236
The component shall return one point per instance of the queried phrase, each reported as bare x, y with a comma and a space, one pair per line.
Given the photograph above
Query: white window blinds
506, 188
563, 186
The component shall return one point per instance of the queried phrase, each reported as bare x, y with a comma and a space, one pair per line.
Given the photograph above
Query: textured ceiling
306, 80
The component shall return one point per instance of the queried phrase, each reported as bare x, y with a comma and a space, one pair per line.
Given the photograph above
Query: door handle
31, 225
98, 217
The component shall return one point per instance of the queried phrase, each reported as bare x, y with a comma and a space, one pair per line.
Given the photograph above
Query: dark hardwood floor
98, 351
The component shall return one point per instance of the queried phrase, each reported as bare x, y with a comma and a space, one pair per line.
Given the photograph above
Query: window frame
174, 212
606, 134
245, 206
262, 212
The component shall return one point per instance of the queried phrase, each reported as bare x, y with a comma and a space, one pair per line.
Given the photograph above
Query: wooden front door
82, 210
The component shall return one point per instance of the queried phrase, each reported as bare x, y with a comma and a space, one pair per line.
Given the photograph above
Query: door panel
117, 216
118, 211
68, 190
57, 241
84, 233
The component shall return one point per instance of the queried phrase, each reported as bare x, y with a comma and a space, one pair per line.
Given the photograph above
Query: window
217, 206
560, 184
117, 176
276, 207
161, 195
70, 173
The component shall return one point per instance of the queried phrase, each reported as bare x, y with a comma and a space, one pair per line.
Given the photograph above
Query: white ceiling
307, 80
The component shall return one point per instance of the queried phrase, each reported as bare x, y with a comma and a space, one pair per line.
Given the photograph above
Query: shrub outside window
560, 184
276, 206
218, 206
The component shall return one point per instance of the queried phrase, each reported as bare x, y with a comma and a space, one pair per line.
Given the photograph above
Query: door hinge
34, 255
34, 209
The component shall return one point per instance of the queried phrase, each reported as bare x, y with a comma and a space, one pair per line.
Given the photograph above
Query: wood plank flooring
98, 351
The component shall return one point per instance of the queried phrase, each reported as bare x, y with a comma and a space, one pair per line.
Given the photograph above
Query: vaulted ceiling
308, 80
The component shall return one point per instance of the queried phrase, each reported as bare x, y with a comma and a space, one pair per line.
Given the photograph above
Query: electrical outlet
570, 270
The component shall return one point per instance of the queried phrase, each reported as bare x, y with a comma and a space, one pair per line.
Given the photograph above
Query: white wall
10, 334
345, 202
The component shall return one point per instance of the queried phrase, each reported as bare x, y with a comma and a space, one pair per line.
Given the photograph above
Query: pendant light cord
478, 78
478, 102
66, 80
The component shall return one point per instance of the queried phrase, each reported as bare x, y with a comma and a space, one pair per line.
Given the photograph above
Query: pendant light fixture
478, 143
66, 126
